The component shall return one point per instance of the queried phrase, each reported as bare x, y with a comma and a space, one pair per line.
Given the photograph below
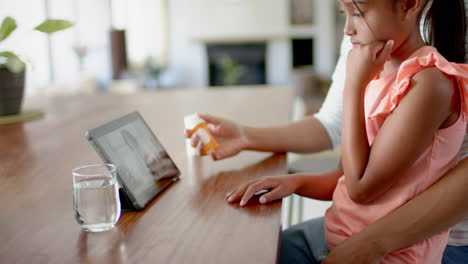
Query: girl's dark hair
445, 25
444, 28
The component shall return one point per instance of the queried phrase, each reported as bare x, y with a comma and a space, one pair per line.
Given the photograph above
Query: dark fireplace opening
236, 64
302, 50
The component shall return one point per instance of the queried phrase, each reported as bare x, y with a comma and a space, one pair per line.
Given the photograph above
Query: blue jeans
455, 255
304, 243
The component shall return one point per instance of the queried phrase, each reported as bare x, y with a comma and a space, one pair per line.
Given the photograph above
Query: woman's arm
438, 208
306, 135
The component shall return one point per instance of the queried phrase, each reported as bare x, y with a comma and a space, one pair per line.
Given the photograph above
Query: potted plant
12, 68
152, 69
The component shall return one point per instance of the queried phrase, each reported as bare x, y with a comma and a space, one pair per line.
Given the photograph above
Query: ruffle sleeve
412, 66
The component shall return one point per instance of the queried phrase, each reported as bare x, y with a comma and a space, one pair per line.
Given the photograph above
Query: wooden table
188, 223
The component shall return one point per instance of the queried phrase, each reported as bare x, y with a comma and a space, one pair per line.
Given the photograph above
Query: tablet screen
142, 163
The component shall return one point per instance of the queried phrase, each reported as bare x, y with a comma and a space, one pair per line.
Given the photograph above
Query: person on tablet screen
159, 164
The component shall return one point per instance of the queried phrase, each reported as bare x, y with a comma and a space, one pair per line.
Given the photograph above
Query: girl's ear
411, 8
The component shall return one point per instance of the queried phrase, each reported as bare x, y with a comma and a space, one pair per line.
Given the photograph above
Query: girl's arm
319, 186
405, 134
316, 186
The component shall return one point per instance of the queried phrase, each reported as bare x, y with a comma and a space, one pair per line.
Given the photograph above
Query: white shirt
459, 232
331, 114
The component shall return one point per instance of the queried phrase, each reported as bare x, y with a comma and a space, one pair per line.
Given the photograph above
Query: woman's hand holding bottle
230, 137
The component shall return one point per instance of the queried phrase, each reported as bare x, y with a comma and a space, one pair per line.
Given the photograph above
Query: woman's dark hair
445, 25
444, 28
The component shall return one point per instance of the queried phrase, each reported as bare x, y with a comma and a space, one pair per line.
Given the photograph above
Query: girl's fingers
273, 195
237, 194
255, 187
386, 51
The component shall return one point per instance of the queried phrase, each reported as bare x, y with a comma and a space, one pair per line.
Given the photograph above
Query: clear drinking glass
96, 197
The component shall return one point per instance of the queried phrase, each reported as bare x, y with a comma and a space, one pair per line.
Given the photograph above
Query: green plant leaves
8, 26
53, 25
13, 62
10, 60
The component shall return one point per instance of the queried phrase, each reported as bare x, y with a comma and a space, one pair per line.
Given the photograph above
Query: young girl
404, 118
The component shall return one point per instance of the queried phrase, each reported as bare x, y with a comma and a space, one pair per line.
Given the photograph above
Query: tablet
144, 168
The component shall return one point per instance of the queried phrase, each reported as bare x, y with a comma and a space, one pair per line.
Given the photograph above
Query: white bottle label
205, 138
192, 121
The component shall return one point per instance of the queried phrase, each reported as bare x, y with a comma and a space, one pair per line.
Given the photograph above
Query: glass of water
96, 197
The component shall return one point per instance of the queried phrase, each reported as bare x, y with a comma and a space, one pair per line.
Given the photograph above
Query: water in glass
96, 202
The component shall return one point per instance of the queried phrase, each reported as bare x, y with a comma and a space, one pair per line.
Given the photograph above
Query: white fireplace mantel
239, 39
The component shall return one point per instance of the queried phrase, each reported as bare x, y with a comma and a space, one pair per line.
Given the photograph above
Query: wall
142, 19
218, 18
324, 30
192, 22
146, 30
189, 22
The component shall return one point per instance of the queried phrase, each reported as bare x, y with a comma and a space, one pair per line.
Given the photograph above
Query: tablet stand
126, 204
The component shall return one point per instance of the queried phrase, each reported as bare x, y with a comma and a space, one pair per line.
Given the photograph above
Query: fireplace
302, 52
236, 64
